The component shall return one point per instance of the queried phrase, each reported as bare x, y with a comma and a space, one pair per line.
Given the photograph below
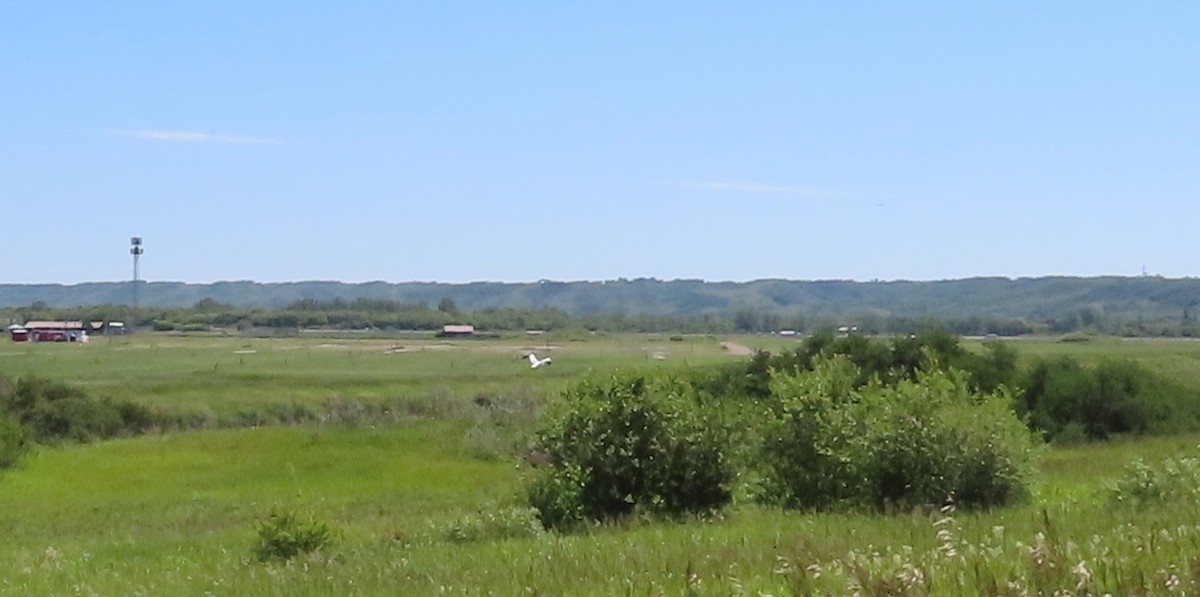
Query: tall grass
176, 514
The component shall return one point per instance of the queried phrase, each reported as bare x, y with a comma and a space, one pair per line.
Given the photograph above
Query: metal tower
136, 250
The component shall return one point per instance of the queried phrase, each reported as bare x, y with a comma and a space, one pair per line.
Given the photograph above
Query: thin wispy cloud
769, 189
197, 137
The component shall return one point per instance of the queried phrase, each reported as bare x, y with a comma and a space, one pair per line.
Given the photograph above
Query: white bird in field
535, 362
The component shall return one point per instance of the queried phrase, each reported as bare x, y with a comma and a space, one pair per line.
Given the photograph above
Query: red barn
55, 331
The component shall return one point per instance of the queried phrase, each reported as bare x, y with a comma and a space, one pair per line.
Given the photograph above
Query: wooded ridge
1040, 299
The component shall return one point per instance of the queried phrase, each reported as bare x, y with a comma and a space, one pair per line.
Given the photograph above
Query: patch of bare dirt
737, 350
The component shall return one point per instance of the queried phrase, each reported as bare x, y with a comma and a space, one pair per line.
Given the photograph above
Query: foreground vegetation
643, 445
177, 514
431, 500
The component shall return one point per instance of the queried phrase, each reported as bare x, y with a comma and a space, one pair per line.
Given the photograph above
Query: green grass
137, 504
1177, 359
175, 513
227, 374
419, 465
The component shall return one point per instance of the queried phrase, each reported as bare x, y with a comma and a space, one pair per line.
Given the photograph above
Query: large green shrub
900, 358
556, 493
629, 443
54, 411
914, 442
808, 449
1061, 396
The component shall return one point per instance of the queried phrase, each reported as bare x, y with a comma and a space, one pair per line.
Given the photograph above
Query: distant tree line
391, 314
1146, 305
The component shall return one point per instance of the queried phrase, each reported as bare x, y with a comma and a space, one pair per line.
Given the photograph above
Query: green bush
14, 442
902, 357
832, 442
1060, 396
556, 493
285, 534
809, 447
53, 411
136, 418
492, 524
1175, 478
630, 443
74, 417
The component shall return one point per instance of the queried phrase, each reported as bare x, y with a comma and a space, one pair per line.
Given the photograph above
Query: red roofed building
55, 331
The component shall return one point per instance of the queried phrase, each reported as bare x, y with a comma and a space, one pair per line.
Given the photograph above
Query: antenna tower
136, 250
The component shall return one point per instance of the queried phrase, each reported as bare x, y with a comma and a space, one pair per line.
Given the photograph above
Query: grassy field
174, 513
226, 374
1177, 358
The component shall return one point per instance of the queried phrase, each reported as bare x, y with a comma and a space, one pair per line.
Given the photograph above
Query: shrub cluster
902, 357
626, 444
911, 443
820, 440
1061, 398
52, 411
1069, 401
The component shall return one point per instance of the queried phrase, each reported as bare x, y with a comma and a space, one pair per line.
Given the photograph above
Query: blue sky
458, 142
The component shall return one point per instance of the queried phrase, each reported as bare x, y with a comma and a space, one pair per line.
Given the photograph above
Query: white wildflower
911, 576
1169, 580
1038, 552
1083, 575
